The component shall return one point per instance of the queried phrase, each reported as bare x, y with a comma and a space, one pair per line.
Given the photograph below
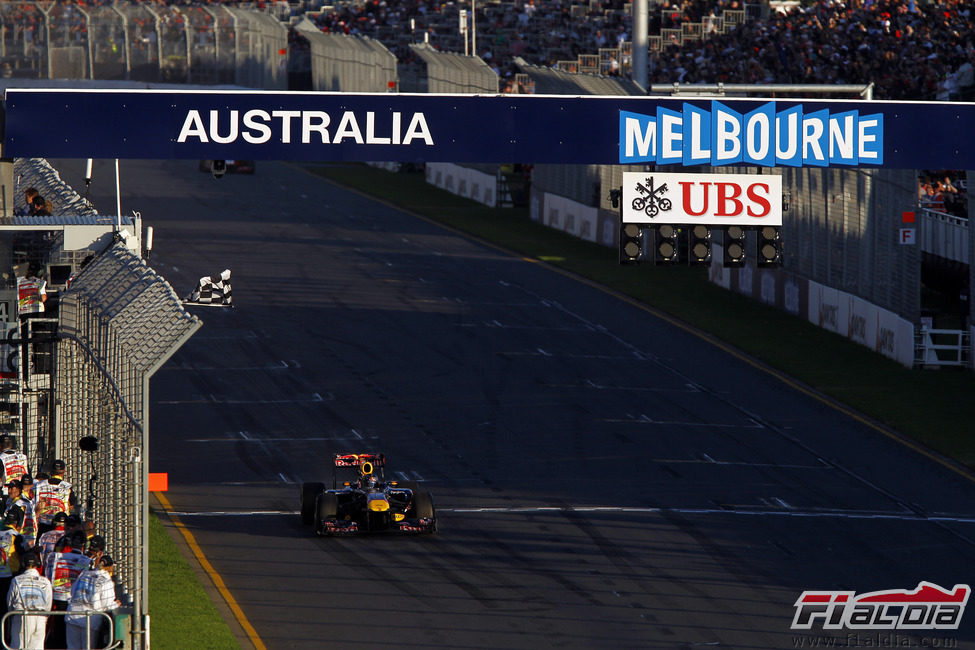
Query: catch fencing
340, 62
27, 349
39, 174
261, 53
841, 230
432, 71
208, 44
119, 323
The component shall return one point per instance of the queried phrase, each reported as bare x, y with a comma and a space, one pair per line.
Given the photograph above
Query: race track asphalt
603, 478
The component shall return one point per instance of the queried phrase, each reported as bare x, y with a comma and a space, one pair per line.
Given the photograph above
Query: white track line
835, 514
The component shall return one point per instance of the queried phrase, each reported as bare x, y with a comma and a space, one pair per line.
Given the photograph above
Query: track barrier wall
840, 312
571, 217
463, 181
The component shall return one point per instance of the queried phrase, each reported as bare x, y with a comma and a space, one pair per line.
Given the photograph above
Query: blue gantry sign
193, 124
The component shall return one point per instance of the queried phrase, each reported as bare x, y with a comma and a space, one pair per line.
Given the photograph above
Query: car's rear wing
365, 464
358, 460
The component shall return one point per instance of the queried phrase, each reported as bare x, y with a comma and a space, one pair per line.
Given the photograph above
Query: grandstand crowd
910, 49
944, 191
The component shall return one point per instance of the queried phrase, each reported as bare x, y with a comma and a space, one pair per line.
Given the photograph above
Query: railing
934, 348
684, 33
113, 642
944, 235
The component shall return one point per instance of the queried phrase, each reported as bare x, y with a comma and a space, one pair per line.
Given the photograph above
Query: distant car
367, 502
233, 166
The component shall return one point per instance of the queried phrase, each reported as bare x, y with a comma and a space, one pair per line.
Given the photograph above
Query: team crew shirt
31, 293
62, 569
47, 541
9, 562
14, 465
29, 529
93, 591
50, 499
29, 591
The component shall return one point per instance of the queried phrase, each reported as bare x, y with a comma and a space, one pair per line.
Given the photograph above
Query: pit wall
464, 181
840, 312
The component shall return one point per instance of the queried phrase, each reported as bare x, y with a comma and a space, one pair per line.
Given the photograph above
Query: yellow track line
217, 580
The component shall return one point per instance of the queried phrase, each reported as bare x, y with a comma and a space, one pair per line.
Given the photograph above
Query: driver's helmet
370, 482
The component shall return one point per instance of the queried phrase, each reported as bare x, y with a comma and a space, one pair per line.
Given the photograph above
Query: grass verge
182, 615
935, 407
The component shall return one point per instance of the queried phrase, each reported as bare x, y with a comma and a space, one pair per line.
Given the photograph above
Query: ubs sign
713, 199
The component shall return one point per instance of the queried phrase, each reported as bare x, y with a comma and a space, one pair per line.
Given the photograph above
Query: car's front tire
423, 507
309, 493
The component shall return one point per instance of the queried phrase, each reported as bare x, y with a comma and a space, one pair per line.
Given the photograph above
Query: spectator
29, 195
933, 199
93, 591
29, 591
39, 207
951, 195
965, 76
907, 54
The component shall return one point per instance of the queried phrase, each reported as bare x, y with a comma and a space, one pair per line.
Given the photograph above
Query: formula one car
368, 503
230, 166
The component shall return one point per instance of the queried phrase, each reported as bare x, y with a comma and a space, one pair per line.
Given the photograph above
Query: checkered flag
212, 290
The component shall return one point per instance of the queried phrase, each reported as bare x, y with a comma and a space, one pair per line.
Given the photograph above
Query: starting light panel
769, 246
665, 249
699, 245
631, 243
734, 246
